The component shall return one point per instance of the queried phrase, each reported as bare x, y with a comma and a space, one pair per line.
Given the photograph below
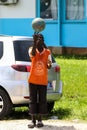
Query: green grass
73, 104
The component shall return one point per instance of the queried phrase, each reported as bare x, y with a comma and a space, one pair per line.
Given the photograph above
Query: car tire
50, 106
5, 104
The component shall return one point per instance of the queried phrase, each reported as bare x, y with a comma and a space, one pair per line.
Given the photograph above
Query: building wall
16, 20
68, 50
23, 9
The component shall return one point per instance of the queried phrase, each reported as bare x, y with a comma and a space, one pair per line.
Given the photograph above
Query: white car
14, 71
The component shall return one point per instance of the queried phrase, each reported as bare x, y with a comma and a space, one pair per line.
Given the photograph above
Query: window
1, 49
74, 9
49, 9
21, 50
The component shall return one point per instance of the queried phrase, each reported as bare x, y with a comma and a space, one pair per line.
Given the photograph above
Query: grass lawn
73, 104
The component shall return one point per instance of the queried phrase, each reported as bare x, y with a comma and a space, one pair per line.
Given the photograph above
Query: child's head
38, 43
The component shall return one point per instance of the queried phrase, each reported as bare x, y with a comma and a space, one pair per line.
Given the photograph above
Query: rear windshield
21, 50
1, 49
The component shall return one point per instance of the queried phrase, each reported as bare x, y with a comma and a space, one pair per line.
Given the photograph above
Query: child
41, 60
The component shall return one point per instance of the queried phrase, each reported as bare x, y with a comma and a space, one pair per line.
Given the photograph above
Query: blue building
66, 20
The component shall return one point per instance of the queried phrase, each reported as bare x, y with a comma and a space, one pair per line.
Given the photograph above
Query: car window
1, 49
21, 50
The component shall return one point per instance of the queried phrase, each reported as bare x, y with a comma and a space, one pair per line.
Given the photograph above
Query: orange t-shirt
39, 71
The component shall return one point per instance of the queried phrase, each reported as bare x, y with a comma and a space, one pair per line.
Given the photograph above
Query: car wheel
5, 104
50, 106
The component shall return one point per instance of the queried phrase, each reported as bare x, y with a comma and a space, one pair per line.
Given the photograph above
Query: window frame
47, 20
74, 21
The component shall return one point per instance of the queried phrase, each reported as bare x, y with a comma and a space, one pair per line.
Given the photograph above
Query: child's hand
49, 64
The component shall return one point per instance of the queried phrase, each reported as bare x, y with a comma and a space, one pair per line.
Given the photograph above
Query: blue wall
74, 35
60, 32
23, 27
16, 27
67, 34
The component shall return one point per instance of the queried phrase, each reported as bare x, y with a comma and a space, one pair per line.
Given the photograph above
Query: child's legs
33, 99
42, 99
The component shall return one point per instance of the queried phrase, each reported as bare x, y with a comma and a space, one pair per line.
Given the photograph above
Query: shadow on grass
18, 113
24, 114
62, 113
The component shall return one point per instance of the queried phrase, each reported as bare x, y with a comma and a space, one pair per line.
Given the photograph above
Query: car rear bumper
53, 96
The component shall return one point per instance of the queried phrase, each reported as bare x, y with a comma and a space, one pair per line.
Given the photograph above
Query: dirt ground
48, 125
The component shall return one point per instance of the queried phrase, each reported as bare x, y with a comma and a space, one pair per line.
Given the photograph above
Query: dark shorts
38, 100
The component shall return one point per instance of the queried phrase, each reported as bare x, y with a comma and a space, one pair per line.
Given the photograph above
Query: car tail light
57, 69
26, 97
22, 68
